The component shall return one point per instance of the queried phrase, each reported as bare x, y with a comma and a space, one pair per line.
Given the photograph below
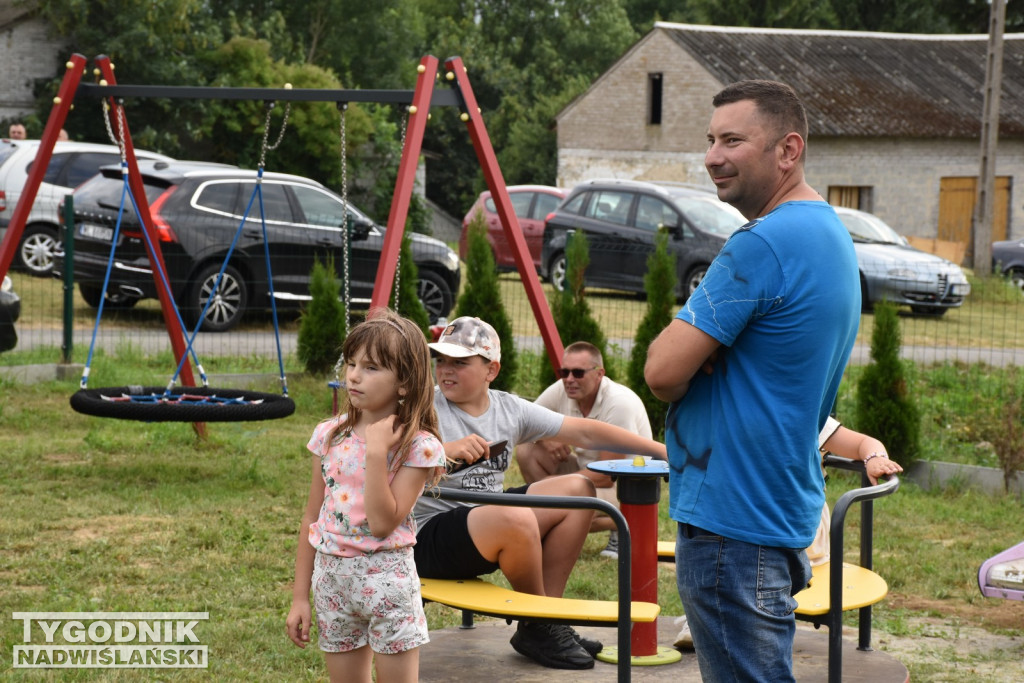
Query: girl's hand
880, 467
298, 622
383, 433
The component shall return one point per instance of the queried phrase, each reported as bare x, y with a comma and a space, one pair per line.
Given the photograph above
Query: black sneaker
551, 645
591, 646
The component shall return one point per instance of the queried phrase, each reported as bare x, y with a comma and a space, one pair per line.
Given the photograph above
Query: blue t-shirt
783, 298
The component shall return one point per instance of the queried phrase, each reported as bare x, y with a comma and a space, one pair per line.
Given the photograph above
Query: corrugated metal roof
869, 84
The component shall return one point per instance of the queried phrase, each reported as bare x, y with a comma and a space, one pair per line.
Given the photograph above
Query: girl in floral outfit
370, 464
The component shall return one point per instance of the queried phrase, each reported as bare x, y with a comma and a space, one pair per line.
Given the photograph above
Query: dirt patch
993, 613
959, 645
124, 528
65, 459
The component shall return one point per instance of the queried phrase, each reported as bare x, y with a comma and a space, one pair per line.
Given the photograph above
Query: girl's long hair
398, 344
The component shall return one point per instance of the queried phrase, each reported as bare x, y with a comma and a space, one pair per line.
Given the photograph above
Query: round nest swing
182, 404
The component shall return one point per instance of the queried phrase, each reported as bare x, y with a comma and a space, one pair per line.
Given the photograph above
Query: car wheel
38, 244
865, 299
693, 279
556, 272
228, 304
1016, 276
435, 294
92, 294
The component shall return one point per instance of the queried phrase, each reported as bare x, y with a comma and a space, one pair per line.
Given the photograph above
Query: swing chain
398, 262
118, 140
343, 137
264, 148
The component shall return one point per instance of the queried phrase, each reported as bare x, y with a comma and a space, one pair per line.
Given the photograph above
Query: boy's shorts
445, 550
370, 599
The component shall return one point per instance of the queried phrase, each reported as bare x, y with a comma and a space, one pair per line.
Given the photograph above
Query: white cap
466, 337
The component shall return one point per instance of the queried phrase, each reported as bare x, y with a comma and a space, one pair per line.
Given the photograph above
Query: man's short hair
776, 101
577, 347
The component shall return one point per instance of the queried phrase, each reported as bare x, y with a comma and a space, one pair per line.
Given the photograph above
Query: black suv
197, 209
620, 219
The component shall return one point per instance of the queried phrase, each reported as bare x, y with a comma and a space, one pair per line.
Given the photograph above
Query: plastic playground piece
1002, 576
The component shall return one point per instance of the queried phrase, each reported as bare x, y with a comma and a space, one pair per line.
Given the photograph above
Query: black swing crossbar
439, 98
181, 404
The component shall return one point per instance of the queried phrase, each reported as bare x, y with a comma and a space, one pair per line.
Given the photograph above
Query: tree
322, 325
481, 298
660, 285
885, 408
405, 297
126, 31
776, 14
526, 61
570, 309
643, 13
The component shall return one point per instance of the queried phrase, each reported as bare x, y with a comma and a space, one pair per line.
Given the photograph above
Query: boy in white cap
535, 548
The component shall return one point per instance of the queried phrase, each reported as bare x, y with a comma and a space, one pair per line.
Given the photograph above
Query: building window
654, 99
852, 197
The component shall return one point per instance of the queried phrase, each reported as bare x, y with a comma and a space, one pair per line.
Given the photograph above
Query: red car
532, 204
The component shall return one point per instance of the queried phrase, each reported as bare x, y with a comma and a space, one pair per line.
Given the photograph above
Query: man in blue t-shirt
751, 365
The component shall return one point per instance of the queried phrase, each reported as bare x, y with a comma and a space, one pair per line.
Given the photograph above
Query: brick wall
612, 115
27, 53
905, 175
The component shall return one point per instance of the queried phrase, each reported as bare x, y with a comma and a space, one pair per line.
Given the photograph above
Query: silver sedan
891, 269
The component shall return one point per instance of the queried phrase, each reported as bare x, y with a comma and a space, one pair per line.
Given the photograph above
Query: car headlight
903, 273
7, 285
452, 260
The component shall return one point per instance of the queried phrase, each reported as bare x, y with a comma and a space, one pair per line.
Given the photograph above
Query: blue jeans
739, 604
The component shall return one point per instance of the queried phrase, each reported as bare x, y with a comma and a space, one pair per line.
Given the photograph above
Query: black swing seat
182, 404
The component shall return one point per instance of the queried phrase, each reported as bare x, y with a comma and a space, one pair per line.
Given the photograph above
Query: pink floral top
342, 528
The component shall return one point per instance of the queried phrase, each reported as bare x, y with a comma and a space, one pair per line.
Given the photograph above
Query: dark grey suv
197, 209
1008, 259
621, 218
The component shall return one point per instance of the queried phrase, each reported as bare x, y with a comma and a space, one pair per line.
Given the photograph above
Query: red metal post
58, 114
418, 111
174, 330
643, 533
509, 221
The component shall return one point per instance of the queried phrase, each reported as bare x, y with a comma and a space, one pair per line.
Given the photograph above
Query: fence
988, 328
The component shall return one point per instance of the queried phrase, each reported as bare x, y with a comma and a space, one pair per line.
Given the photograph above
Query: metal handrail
572, 502
864, 495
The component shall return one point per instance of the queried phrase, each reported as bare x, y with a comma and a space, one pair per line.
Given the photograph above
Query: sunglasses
575, 372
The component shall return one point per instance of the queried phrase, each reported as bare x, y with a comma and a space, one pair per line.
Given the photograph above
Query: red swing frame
421, 99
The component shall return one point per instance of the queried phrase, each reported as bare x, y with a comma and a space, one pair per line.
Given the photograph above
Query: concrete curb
936, 474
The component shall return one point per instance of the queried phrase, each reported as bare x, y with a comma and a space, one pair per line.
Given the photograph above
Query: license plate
96, 232
961, 289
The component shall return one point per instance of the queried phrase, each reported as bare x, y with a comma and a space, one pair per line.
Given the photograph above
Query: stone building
28, 52
895, 119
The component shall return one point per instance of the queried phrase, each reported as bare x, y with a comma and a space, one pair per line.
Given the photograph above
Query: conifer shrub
885, 408
660, 285
407, 294
481, 298
322, 323
570, 310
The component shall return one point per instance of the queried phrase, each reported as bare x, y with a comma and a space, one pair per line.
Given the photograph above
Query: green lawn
104, 515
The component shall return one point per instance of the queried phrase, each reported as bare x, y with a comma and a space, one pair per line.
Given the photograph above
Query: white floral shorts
371, 599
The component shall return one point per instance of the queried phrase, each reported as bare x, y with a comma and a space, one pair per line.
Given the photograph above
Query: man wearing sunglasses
585, 391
